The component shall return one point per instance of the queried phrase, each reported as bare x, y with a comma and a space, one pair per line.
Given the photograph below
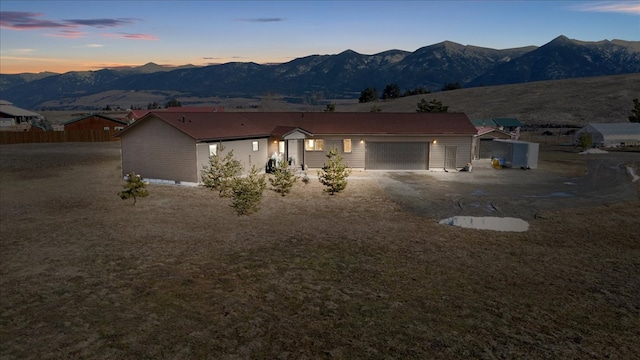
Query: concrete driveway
524, 194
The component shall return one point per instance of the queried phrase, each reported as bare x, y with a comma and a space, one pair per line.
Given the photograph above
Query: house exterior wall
356, 159
158, 151
437, 150
242, 151
94, 123
7, 121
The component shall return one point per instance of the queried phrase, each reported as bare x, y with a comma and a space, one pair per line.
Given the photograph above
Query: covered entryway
397, 156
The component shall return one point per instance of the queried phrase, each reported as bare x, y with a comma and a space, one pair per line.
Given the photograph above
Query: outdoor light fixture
435, 141
361, 141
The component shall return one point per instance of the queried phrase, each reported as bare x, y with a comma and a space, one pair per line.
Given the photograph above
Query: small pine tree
283, 178
331, 107
246, 192
220, 171
134, 188
635, 112
585, 140
334, 173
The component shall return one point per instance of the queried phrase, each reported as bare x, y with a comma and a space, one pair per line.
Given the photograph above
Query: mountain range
340, 76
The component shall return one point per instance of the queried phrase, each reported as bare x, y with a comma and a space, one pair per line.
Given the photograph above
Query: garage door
486, 146
397, 156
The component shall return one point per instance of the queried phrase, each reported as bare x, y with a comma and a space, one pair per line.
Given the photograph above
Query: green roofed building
483, 123
507, 124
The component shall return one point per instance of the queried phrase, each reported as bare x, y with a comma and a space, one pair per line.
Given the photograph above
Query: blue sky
63, 36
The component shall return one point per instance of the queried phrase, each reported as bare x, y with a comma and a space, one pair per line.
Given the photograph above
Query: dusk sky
63, 36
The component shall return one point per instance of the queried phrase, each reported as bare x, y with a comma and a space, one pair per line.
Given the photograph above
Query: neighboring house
507, 124
174, 147
13, 118
134, 115
483, 141
95, 122
611, 134
483, 123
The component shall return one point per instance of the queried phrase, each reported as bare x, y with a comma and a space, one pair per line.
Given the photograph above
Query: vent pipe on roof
183, 118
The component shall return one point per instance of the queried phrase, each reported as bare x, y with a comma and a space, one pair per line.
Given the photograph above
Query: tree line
393, 91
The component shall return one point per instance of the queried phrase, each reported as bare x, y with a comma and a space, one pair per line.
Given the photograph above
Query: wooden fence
22, 137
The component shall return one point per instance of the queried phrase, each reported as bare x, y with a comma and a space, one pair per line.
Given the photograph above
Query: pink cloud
68, 34
612, 7
132, 36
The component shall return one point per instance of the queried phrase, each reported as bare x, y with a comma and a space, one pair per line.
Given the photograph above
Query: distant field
573, 102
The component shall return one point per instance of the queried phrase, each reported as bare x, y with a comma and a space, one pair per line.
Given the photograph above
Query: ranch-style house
174, 147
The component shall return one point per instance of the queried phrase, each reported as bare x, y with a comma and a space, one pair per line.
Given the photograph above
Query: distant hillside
341, 76
557, 102
569, 102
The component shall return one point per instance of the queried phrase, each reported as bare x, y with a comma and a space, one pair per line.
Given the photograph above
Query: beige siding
202, 154
355, 159
436, 151
156, 150
242, 151
316, 159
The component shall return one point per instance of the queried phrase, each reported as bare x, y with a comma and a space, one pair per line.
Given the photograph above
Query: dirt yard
364, 274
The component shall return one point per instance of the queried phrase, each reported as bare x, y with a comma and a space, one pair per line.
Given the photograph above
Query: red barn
95, 122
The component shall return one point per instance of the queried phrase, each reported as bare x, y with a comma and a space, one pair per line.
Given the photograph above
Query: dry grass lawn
84, 274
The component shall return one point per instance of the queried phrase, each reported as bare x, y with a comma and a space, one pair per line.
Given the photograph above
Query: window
314, 145
213, 149
106, 128
346, 145
254, 145
118, 128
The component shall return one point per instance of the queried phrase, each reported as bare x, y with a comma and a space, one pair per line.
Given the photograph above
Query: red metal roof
234, 125
136, 114
105, 117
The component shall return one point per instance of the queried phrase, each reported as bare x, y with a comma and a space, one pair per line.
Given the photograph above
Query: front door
450, 153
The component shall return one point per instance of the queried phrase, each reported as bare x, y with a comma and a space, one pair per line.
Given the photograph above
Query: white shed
516, 153
611, 134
